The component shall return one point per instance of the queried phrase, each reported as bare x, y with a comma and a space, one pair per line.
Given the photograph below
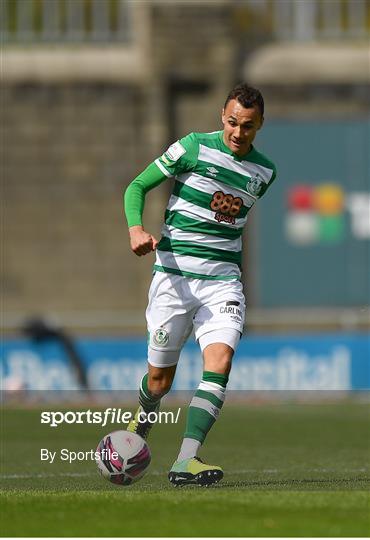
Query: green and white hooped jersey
213, 193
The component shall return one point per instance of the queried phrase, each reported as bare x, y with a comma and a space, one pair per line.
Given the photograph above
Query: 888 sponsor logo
226, 206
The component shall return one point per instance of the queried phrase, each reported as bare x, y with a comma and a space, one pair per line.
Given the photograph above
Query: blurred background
94, 90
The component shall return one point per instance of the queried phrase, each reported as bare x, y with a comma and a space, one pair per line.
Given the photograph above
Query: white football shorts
177, 304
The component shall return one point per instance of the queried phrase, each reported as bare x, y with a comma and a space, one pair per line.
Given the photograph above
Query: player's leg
209, 397
154, 385
169, 325
218, 327
204, 409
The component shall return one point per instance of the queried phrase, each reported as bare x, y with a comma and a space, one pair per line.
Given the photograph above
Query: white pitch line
277, 471
63, 475
160, 473
48, 475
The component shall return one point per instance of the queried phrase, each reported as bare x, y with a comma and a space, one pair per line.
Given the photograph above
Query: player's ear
223, 116
261, 122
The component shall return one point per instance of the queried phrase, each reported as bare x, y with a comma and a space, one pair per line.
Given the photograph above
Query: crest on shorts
161, 337
255, 185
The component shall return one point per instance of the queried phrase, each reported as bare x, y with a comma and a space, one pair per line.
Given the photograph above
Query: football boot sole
204, 478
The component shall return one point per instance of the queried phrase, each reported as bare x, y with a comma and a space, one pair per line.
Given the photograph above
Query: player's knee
217, 357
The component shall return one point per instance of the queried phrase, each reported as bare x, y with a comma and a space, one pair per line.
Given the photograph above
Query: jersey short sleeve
180, 157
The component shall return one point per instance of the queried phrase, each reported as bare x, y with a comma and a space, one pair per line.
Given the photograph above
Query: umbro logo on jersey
212, 171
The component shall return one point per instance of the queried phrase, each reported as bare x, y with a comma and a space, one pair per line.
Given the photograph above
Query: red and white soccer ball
123, 457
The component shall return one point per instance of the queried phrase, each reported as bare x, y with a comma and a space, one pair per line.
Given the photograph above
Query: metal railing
38, 21
75, 21
310, 20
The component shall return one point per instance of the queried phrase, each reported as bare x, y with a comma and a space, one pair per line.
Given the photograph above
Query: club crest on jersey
161, 337
255, 185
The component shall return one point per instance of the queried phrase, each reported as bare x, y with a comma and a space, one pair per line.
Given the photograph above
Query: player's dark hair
247, 96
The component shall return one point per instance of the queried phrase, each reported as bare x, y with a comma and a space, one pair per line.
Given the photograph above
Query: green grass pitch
291, 469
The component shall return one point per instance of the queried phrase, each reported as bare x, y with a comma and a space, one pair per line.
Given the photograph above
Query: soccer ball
122, 457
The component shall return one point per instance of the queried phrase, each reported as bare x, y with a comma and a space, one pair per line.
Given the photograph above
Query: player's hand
141, 242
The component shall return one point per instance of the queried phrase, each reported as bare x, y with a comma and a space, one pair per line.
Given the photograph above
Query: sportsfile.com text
108, 416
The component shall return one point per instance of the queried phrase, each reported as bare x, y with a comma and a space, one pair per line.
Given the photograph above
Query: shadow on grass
358, 483
322, 483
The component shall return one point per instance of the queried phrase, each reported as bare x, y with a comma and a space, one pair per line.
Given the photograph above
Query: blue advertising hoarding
321, 362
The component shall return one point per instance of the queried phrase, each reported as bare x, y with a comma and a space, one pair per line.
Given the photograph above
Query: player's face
240, 126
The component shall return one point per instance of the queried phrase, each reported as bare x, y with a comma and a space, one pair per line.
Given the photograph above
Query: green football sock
203, 411
148, 402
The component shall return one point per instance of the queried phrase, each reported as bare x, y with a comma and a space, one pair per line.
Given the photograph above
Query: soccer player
196, 283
